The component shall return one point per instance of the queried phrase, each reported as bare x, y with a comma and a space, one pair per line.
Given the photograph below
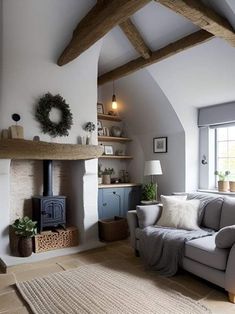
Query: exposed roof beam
98, 22
159, 55
135, 38
203, 16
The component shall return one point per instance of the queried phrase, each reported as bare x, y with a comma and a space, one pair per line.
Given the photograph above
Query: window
225, 150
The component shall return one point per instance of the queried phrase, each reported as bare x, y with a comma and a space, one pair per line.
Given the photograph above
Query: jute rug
102, 289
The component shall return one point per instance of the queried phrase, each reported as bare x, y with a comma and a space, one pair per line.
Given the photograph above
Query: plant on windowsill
25, 229
149, 193
106, 175
223, 184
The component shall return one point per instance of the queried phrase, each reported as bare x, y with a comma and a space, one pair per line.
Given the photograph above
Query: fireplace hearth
48, 210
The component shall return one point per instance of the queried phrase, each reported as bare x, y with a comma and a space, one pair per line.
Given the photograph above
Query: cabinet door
112, 202
132, 198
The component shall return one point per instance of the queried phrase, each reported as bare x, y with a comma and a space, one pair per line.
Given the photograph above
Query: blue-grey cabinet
117, 201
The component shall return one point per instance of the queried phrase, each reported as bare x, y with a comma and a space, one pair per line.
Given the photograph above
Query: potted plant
100, 172
223, 184
232, 186
25, 229
149, 192
106, 175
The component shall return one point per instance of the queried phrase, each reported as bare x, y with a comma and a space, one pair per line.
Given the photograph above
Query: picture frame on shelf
99, 125
108, 150
160, 145
100, 108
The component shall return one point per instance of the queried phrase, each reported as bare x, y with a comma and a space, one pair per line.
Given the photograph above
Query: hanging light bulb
114, 100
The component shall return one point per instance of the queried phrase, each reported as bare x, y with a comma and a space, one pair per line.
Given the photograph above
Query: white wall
34, 35
147, 114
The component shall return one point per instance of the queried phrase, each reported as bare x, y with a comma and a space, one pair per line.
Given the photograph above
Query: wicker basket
49, 240
113, 229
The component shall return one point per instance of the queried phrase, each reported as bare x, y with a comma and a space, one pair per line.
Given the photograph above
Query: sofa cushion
211, 206
204, 251
228, 212
179, 214
148, 214
225, 238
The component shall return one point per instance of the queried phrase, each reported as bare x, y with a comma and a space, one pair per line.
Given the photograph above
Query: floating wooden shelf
108, 117
117, 185
25, 149
116, 157
113, 139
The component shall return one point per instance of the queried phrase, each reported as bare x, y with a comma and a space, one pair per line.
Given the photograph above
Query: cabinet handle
104, 204
114, 192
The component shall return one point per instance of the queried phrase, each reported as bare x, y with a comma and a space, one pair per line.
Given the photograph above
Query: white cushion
181, 214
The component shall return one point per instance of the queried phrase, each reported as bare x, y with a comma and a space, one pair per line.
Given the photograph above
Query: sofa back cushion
148, 214
211, 207
228, 212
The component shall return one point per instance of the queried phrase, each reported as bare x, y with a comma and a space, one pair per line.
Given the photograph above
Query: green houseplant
149, 192
25, 229
106, 174
223, 184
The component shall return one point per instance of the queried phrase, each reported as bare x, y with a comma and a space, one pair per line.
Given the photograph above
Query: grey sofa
201, 256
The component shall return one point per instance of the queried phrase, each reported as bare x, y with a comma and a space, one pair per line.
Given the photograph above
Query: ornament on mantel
16, 131
89, 127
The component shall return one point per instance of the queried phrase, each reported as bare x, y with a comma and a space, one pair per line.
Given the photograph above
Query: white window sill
232, 194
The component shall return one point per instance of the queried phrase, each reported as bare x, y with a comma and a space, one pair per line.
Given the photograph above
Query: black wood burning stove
48, 210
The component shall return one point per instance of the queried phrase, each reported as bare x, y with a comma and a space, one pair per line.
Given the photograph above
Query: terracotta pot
232, 186
25, 246
223, 186
106, 179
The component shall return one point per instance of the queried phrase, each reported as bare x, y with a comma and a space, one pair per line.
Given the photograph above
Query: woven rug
99, 289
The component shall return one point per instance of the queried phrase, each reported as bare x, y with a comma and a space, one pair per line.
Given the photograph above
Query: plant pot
25, 246
100, 181
106, 179
223, 186
232, 186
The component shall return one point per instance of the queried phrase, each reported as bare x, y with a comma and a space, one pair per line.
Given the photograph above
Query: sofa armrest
230, 272
132, 220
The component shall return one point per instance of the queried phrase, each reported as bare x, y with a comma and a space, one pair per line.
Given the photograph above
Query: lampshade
152, 167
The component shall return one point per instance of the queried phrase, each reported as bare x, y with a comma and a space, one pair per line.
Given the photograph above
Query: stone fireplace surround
83, 211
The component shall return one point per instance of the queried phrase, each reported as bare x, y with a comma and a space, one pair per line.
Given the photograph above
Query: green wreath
45, 104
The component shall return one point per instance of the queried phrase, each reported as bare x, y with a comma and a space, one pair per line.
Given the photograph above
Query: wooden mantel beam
161, 54
203, 16
135, 38
99, 21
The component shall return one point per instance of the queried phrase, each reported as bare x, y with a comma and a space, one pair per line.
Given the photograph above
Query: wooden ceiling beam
159, 55
203, 16
135, 38
99, 21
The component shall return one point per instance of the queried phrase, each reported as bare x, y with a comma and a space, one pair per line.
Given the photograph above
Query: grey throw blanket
162, 248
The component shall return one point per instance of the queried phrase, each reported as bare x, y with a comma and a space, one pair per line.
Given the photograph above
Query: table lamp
153, 168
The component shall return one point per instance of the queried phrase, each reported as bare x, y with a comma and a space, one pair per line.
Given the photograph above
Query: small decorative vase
116, 131
25, 246
223, 186
232, 186
88, 139
100, 181
106, 179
